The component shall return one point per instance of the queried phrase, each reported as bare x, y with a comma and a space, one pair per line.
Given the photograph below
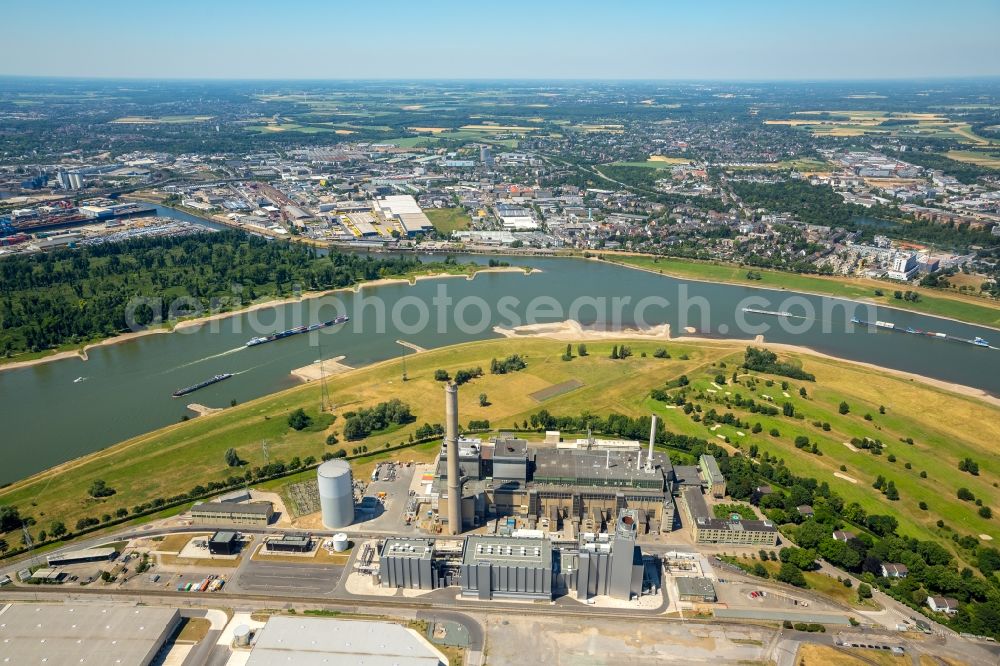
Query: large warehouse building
305, 641
404, 209
84, 634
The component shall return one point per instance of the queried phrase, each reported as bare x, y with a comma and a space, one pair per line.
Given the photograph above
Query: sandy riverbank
81, 353
200, 321
202, 410
318, 370
571, 331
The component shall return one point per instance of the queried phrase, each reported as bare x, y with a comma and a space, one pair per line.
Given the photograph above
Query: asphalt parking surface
285, 578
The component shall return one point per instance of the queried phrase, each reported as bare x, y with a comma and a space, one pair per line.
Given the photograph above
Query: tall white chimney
652, 439
451, 450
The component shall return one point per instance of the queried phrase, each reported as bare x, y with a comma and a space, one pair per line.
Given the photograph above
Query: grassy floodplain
946, 427
971, 309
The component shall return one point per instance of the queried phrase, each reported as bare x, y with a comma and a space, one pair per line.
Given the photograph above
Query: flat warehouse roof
314, 641
84, 633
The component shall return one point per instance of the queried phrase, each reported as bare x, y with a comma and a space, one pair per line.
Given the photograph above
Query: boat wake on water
776, 313
206, 358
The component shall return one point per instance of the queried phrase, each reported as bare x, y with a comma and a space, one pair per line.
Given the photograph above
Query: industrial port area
491, 540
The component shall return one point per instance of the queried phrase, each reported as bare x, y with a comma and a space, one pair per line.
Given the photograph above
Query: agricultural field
162, 120
490, 127
858, 123
449, 135
983, 159
294, 127
805, 164
612, 129
446, 220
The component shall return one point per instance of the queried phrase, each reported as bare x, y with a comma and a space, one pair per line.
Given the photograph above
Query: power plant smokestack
652, 439
451, 451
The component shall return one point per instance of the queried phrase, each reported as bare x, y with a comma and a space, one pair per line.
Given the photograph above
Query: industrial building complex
579, 488
561, 517
525, 565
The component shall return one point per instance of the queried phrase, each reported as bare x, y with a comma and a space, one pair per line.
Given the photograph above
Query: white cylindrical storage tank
336, 493
241, 636
340, 542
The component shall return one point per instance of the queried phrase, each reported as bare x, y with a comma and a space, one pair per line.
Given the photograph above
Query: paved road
206, 652
477, 637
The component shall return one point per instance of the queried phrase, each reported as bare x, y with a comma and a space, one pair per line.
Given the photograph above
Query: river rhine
49, 418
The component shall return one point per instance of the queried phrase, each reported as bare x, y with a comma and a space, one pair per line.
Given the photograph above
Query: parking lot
287, 578
735, 593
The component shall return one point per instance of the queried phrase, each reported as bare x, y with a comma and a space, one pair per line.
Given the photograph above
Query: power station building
506, 567
411, 564
579, 489
558, 489
606, 564
520, 567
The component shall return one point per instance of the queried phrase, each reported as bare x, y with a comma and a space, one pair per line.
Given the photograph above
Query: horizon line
223, 79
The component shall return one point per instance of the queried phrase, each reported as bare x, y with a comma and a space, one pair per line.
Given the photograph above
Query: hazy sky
706, 39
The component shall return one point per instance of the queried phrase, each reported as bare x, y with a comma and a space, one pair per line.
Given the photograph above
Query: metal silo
241, 636
336, 493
